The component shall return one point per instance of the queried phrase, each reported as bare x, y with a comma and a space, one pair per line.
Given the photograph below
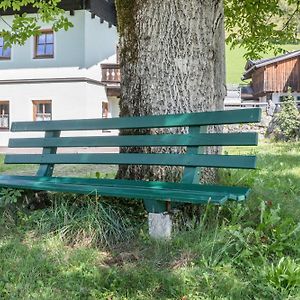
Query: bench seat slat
234, 193
161, 121
203, 139
196, 194
190, 160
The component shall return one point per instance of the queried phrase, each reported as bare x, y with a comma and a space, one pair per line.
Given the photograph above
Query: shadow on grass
41, 271
38, 267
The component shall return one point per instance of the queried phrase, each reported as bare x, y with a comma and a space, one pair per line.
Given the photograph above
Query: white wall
114, 107
69, 101
78, 54
81, 47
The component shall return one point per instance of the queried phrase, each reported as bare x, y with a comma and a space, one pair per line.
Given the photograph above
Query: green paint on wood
238, 116
138, 190
181, 140
193, 175
47, 169
189, 160
154, 194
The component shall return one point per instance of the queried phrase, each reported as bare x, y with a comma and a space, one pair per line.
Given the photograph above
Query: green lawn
60, 170
240, 251
235, 62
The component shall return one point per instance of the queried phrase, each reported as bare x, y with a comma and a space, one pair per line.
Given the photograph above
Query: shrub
11, 202
9, 196
285, 125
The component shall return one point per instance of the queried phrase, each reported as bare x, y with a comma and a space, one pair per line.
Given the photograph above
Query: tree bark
172, 61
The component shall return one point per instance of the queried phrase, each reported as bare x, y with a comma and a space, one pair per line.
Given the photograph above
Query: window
4, 115
4, 52
44, 44
42, 110
282, 98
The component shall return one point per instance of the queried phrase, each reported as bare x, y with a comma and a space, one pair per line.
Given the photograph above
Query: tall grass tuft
85, 222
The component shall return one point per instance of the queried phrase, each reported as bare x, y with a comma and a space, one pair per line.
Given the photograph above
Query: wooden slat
204, 139
163, 121
121, 182
234, 193
219, 161
139, 190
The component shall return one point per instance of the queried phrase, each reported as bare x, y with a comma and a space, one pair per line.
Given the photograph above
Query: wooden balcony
111, 73
111, 77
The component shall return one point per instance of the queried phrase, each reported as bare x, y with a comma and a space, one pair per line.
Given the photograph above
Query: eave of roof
251, 66
104, 9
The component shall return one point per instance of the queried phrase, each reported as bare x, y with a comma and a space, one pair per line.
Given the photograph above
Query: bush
285, 125
9, 197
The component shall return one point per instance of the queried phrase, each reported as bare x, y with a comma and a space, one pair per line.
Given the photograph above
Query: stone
160, 225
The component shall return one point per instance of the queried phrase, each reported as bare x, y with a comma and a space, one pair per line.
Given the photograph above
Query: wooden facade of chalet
274, 75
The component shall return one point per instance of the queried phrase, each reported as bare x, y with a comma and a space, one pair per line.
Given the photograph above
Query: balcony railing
111, 73
4, 121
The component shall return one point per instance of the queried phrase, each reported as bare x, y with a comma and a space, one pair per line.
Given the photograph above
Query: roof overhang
251, 66
104, 9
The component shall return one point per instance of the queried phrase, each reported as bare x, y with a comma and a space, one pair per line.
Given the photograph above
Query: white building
233, 97
57, 75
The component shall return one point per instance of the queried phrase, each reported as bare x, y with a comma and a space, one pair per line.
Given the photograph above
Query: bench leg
160, 225
155, 206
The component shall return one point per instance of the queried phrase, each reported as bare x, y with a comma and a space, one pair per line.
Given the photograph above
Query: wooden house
271, 78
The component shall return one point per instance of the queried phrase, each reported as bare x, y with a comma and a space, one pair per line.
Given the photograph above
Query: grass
235, 62
240, 251
277, 177
60, 170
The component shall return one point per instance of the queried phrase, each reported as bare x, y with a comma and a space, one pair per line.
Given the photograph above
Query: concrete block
160, 226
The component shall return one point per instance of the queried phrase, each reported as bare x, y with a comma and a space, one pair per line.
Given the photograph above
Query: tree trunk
172, 61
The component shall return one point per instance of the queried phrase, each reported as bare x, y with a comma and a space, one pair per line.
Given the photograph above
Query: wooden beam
104, 9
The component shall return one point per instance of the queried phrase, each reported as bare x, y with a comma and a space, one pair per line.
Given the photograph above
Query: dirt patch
183, 260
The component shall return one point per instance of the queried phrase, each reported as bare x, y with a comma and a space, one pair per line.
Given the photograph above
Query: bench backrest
195, 139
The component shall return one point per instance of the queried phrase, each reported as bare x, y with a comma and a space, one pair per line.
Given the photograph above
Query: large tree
173, 51
173, 55
172, 60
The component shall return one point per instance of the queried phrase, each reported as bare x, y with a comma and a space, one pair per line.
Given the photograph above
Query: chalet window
42, 110
5, 53
44, 44
4, 115
282, 98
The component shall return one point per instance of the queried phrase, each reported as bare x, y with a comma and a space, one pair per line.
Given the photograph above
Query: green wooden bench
155, 194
